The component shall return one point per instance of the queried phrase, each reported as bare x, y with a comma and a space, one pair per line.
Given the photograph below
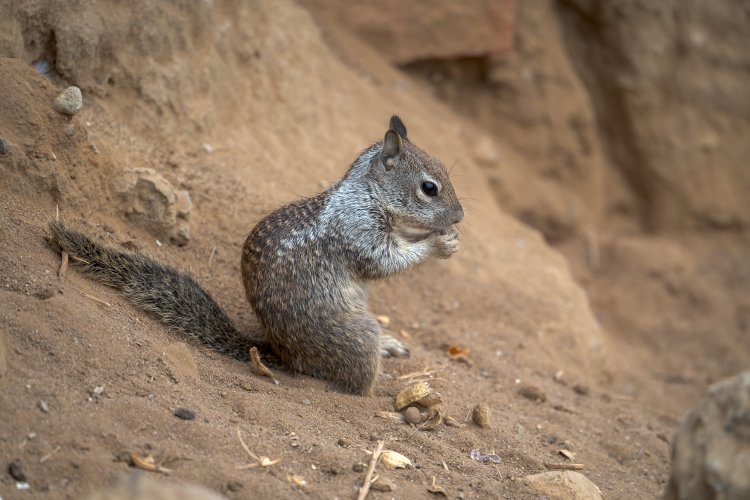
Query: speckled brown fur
306, 266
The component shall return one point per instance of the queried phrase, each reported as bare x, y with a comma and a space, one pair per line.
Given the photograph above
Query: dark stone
16, 472
184, 414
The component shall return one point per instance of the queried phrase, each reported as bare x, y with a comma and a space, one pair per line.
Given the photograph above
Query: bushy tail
173, 297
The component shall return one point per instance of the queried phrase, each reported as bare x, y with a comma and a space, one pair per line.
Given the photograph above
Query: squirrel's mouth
413, 234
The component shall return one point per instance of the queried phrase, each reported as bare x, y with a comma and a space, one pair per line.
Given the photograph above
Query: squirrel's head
418, 193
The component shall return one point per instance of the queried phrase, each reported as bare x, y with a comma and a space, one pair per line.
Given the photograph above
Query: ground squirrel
306, 266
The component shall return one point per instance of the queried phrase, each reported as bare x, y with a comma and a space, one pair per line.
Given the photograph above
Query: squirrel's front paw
446, 244
392, 348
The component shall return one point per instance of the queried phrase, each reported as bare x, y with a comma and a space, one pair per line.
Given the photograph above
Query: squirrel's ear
391, 149
397, 125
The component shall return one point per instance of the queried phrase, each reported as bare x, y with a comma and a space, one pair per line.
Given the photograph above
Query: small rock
374, 437
412, 415
4, 147
711, 447
563, 484
46, 294
344, 443
481, 416
359, 467
383, 484
123, 456
184, 413
533, 392
234, 486
306, 402
69, 101
43, 406
16, 471
581, 389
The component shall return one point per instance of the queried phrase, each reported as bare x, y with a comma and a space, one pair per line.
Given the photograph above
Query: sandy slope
284, 115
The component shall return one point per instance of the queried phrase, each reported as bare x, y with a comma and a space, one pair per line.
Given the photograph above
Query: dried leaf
433, 420
452, 422
420, 393
563, 466
147, 463
298, 480
568, 454
437, 490
390, 415
459, 354
394, 460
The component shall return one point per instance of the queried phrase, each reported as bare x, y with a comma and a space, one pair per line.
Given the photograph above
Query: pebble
184, 413
4, 147
234, 486
46, 293
43, 406
374, 437
581, 389
532, 392
383, 484
359, 467
69, 101
412, 415
344, 443
16, 471
481, 416
306, 402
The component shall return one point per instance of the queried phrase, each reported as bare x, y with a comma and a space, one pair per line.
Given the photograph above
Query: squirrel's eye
429, 188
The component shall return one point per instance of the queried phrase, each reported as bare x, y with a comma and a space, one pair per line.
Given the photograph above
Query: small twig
211, 257
147, 463
563, 466
97, 299
427, 372
257, 366
57, 212
365, 488
79, 259
49, 455
244, 446
259, 461
63, 265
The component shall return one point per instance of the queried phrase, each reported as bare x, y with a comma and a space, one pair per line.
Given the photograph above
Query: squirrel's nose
458, 215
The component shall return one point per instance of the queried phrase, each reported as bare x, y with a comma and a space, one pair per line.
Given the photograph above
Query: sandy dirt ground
250, 105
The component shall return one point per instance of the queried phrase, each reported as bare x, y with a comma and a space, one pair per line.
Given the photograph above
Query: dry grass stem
260, 461
49, 455
365, 488
563, 466
96, 299
63, 265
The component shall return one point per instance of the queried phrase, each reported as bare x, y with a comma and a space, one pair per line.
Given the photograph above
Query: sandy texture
248, 106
